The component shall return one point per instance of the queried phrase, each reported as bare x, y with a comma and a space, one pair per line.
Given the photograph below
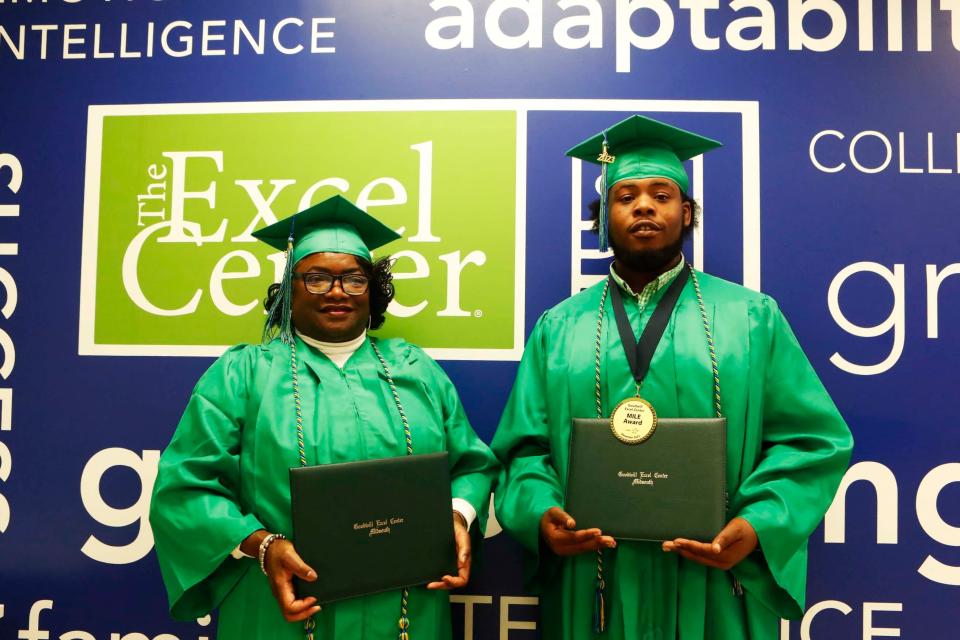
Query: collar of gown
338, 352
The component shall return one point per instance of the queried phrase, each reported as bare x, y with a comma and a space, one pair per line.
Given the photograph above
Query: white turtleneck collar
338, 352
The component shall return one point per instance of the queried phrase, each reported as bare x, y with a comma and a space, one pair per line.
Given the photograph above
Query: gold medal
633, 421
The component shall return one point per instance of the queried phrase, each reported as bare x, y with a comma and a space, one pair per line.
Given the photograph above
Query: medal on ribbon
634, 420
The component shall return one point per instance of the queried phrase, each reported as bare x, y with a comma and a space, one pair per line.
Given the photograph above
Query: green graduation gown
225, 475
787, 449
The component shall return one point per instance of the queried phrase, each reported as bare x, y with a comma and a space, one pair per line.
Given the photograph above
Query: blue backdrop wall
836, 193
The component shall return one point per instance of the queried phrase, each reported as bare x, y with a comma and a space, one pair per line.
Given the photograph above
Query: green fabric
352, 230
644, 148
333, 238
225, 475
787, 451
648, 161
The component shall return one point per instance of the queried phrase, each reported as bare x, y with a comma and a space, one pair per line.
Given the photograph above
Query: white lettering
33, 631
182, 230
627, 39
934, 280
454, 270
885, 486
813, 155
765, 23
421, 270
896, 319
886, 144
815, 610
276, 36
146, 468
869, 631
220, 273
425, 195
531, 37
698, 23
263, 205
316, 35
185, 40
207, 37
131, 280
506, 624
933, 524
592, 21
462, 23
799, 39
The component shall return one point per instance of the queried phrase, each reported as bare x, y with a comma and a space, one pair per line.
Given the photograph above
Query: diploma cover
373, 525
672, 485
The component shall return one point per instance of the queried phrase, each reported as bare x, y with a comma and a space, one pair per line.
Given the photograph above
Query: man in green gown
787, 445
223, 482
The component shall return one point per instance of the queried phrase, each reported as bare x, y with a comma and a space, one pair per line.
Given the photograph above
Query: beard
650, 260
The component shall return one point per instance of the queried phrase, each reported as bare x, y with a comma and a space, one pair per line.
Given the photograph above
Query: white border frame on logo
751, 192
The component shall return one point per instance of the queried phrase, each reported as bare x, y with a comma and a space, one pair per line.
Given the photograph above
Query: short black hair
695, 213
381, 291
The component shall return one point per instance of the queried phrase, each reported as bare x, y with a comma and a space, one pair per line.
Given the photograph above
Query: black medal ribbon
639, 354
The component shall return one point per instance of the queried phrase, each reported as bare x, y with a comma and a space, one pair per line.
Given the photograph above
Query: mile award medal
633, 420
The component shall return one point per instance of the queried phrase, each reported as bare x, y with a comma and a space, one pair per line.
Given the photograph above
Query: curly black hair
695, 211
381, 292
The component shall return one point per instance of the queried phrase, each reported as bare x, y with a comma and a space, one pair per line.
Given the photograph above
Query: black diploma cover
673, 485
373, 525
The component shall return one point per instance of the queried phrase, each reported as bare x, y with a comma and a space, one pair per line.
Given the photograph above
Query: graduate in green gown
222, 488
787, 445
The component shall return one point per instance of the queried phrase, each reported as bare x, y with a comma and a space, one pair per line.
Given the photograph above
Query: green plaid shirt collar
652, 287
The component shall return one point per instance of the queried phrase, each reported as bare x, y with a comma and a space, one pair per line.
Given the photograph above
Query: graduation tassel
602, 219
737, 588
281, 303
599, 605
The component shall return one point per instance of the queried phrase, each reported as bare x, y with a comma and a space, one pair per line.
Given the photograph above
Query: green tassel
603, 220
282, 302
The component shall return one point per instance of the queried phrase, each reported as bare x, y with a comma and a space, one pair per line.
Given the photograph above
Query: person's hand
557, 531
282, 562
734, 543
462, 537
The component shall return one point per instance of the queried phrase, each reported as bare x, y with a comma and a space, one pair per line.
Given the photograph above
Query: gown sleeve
805, 449
529, 483
473, 467
195, 511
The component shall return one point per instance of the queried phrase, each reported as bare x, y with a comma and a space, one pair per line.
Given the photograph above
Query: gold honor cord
404, 623
599, 612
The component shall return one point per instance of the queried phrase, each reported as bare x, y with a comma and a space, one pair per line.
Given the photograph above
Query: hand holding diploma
281, 563
734, 543
558, 531
462, 537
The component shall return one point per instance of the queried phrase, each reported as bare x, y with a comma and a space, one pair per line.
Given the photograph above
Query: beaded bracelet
265, 544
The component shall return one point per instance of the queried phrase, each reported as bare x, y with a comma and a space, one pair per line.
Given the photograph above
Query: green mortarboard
335, 225
640, 147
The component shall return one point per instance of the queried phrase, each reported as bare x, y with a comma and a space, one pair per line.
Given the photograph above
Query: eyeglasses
318, 283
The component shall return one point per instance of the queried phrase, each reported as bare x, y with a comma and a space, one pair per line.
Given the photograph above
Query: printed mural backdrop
141, 141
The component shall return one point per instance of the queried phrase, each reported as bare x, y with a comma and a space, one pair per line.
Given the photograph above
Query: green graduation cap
334, 225
640, 147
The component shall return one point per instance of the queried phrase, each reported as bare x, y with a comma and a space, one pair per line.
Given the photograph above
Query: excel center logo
173, 193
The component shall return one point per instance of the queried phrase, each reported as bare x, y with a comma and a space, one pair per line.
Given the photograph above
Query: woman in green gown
222, 488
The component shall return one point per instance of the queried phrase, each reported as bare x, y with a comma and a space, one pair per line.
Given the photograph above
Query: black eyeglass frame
309, 281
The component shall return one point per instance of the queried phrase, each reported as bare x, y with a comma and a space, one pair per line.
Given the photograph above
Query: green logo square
174, 191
